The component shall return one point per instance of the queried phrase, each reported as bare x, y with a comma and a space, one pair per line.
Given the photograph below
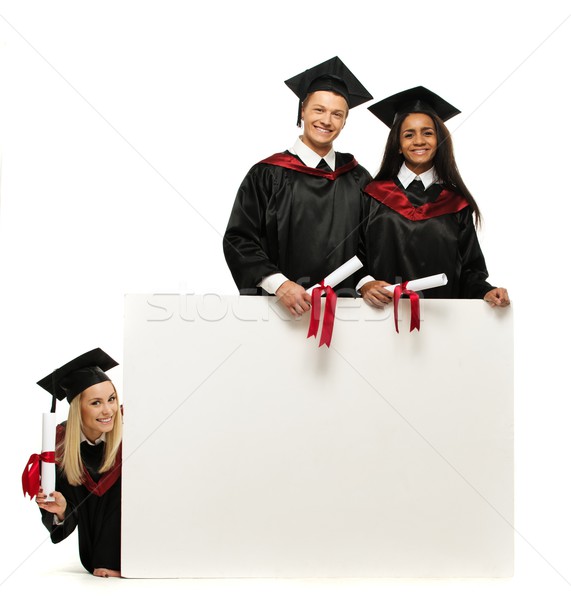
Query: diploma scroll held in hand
424, 283
48, 472
41, 467
409, 288
326, 287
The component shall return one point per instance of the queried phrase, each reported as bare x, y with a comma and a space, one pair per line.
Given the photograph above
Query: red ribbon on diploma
31, 474
402, 290
328, 315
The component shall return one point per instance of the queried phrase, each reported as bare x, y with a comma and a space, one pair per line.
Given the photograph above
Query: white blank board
251, 452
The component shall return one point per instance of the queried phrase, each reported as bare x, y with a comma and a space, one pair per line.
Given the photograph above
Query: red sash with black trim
391, 195
106, 480
291, 162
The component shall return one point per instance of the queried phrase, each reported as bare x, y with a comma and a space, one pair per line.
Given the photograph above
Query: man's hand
294, 297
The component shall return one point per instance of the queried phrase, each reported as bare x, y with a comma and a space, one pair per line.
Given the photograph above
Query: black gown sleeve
65, 528
362, 253
246, 242
473, 274
68, 525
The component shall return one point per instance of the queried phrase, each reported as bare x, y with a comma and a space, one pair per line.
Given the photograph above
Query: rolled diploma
424, 283
341, 273
48, 470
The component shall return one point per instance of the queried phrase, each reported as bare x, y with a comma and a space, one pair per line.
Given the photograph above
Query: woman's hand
376, 294
57, 507
497, 297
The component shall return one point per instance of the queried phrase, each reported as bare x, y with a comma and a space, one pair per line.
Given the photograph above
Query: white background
126, 128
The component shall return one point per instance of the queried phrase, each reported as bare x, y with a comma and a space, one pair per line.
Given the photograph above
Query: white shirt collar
99, 440
311, 158
406, 177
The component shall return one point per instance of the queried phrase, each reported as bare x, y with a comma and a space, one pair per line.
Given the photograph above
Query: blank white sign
252, 452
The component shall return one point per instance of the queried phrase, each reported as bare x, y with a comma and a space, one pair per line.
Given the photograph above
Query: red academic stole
106, 480
389, 194
291, 162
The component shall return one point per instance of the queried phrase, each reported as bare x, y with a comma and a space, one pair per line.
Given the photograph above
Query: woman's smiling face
98, 409
418, 142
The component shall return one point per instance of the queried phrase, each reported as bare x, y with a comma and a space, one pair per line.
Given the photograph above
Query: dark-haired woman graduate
418, 215
88, 459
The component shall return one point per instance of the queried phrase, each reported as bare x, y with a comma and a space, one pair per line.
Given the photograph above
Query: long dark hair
444, 161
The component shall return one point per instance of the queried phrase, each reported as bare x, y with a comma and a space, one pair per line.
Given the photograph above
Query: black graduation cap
418, 99
77, 375
332, 76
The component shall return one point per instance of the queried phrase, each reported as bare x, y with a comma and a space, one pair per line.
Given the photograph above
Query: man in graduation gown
296, 215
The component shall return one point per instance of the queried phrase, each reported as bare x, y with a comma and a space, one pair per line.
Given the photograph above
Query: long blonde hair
68, 451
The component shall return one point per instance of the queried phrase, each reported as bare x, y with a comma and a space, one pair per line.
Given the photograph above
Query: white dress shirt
99, 440
406, 177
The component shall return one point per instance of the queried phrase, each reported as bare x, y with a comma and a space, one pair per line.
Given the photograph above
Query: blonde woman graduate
88, 463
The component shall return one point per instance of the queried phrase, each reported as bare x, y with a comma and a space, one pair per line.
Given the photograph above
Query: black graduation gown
98, 518
407, 236
302, 223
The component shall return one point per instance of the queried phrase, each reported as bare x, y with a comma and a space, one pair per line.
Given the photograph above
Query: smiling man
296, 215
